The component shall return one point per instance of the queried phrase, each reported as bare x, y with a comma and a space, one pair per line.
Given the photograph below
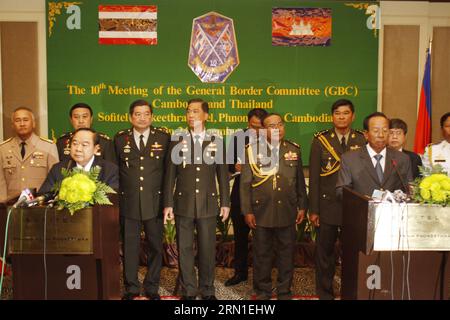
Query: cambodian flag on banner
423, 125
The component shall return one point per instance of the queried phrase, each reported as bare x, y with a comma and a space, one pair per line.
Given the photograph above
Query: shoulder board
162, 129
7, 140
65, 134
318, 133
359, 131
46, 140
293, 143
104, 136
122, 132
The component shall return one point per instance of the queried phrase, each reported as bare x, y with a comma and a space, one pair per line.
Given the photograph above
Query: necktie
343, 144
197, 149
141, 143
378, 168
22, 150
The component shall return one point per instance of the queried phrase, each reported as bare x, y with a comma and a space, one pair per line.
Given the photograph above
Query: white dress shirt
373, 153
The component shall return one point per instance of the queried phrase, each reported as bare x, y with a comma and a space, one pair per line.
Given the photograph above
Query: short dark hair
398, 124
80, 105
444, 118
269, 115
342, 102
96, 136
370, 116
205, 106
256, 112
140, 102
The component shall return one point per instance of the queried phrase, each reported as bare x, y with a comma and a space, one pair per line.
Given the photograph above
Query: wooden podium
77, 259
419, 272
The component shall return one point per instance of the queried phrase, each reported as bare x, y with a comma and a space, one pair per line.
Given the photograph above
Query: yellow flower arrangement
80, 189
433, 187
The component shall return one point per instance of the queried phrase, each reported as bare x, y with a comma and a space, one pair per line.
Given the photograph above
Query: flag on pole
423, 124
127, 24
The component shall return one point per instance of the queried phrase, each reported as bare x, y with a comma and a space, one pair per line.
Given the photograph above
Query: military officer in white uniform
26, 158
439, 153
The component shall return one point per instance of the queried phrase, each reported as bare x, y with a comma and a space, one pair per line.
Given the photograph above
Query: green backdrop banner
291, 57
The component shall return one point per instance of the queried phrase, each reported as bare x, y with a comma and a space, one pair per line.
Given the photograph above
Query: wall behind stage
300, 82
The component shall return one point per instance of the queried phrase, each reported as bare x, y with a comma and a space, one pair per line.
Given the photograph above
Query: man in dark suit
273, 199
83, 146
324, 210
81, 116
141, 153
374, 166
397, 139
196, 160
235, 154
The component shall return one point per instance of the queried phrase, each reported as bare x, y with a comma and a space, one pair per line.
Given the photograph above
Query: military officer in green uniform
141, 153
196, 160
324, 210
81, 116
273, 200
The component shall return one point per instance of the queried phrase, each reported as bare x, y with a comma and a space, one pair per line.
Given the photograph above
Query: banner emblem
213, 53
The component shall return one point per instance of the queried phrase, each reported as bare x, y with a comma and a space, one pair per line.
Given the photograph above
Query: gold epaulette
318, 133
104, 136
162, 129
65, 134
7, 140
293, 143
359, 131
46, 140
121, 132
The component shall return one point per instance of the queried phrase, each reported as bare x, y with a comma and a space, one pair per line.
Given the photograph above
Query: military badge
38, 155
156, 146
213, 53
355, 147
291, 156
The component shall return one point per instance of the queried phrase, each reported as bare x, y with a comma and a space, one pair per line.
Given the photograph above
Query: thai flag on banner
127, 24
423, 125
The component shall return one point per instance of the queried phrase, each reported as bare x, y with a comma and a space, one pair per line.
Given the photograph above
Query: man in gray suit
374, 166
195, 161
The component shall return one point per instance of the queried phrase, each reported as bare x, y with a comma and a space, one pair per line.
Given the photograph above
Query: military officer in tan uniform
81, 116
439, 153
273, 200
324, 210
26, 158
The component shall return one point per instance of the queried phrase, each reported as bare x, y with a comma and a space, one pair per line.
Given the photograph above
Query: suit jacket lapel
365, 158
387, 166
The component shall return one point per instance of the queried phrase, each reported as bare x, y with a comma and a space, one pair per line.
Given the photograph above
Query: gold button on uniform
198, 168
142, 168
142, 158
23, 167
197, 179
141, 188
197, 191
279, 201
141, 178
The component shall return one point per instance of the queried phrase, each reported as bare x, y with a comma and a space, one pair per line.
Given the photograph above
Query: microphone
394, 165
42, 198
25, 195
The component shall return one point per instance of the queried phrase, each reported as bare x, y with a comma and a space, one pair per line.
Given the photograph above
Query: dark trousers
266, 242
241, 231
326, 260
131, 246
206, 244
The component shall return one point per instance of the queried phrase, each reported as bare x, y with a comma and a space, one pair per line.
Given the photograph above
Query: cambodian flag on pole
423, 125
